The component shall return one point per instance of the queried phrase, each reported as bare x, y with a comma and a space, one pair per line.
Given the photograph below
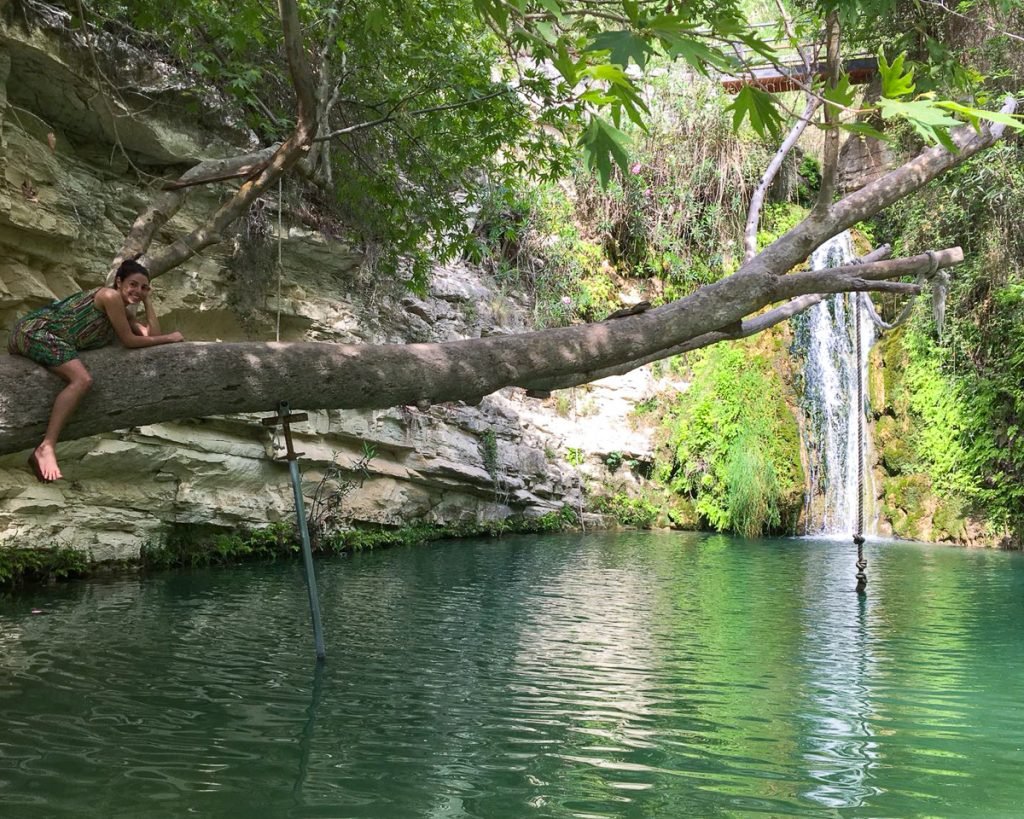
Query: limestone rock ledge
64, 208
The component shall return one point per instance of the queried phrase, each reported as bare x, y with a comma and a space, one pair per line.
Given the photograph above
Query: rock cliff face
73, 167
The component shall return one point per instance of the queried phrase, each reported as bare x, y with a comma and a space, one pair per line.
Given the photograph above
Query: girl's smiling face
133, 288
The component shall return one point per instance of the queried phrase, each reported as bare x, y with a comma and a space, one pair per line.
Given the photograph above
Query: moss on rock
905, 502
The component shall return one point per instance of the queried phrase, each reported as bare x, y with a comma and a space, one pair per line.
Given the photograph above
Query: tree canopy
413, 102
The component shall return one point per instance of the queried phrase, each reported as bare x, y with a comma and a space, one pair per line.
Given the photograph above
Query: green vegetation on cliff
957, 402
734, 444
659, 231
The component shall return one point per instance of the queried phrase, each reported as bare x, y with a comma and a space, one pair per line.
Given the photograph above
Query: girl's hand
174, 337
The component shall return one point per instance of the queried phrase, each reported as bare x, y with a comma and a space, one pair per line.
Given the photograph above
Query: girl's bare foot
43, 461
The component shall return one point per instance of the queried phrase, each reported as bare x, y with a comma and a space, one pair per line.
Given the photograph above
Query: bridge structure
792, 76
790, 72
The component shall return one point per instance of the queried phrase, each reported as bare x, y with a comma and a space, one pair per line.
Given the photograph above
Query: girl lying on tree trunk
54, 335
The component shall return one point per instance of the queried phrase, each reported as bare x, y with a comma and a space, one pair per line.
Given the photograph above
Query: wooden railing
789, 71
791, 76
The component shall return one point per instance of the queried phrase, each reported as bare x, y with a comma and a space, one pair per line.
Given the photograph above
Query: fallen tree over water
193, 379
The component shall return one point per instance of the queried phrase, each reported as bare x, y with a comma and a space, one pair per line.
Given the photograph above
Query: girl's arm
138, 329
152, 325
109, 300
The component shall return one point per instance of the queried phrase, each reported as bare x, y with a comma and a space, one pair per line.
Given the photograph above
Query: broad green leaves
602, 144
930, 122
758, 108
620, 94
930, 118
575, 72
896, 82
602, 49
975, 115
841, 94
622, 46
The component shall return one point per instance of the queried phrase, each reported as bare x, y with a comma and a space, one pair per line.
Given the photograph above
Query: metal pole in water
284, 417
858, 535
307, 559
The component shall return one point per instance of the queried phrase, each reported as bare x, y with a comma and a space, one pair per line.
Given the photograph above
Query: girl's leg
79, 381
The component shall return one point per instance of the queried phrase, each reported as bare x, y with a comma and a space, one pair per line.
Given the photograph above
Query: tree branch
743, 329
392, 114
830, 158
146, 226
221, 170
793, 247
979, 21
185, 380
757, 198
867, 276
811, 105
286, 156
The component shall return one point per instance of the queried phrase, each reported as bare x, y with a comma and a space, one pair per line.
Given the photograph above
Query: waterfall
824, 335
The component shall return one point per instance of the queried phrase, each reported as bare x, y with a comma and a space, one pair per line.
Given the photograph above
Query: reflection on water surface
598, 675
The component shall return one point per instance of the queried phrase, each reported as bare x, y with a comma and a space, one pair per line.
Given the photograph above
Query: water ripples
639, 675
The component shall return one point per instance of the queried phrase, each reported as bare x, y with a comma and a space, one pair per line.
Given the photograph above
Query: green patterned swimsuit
54, 334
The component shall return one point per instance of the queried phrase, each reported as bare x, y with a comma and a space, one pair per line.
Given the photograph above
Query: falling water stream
826, 337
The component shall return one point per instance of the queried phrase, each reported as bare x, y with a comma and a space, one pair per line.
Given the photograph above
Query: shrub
56, 562
961, 397
638, 513
733, 444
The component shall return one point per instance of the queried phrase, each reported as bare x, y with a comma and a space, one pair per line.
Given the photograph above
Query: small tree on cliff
576, 67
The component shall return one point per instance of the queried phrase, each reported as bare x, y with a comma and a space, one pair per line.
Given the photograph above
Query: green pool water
646, 675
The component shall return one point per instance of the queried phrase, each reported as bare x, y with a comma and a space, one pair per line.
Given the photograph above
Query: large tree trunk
134, 387
192, 379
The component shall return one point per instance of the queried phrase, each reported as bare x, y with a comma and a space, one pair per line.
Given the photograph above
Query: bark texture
135, 387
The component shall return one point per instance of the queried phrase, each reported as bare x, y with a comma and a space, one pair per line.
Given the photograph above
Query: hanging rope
280, 202
858, 536
940, 286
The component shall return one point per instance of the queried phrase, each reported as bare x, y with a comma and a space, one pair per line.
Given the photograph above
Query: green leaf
490, 10
632, 103
972, 115
696, 54
925, 117
863, 129
757, 45
757, 106
376, 21
597, 97
606, 72
621, 91
546, 31
842, 94
895, 83
602, 143
617, 114
554, 7
623, 45
565, 64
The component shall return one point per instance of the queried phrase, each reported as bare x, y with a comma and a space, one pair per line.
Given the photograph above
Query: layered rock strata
73, 164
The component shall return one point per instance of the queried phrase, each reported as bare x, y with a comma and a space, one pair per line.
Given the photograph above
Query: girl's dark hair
128, 267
